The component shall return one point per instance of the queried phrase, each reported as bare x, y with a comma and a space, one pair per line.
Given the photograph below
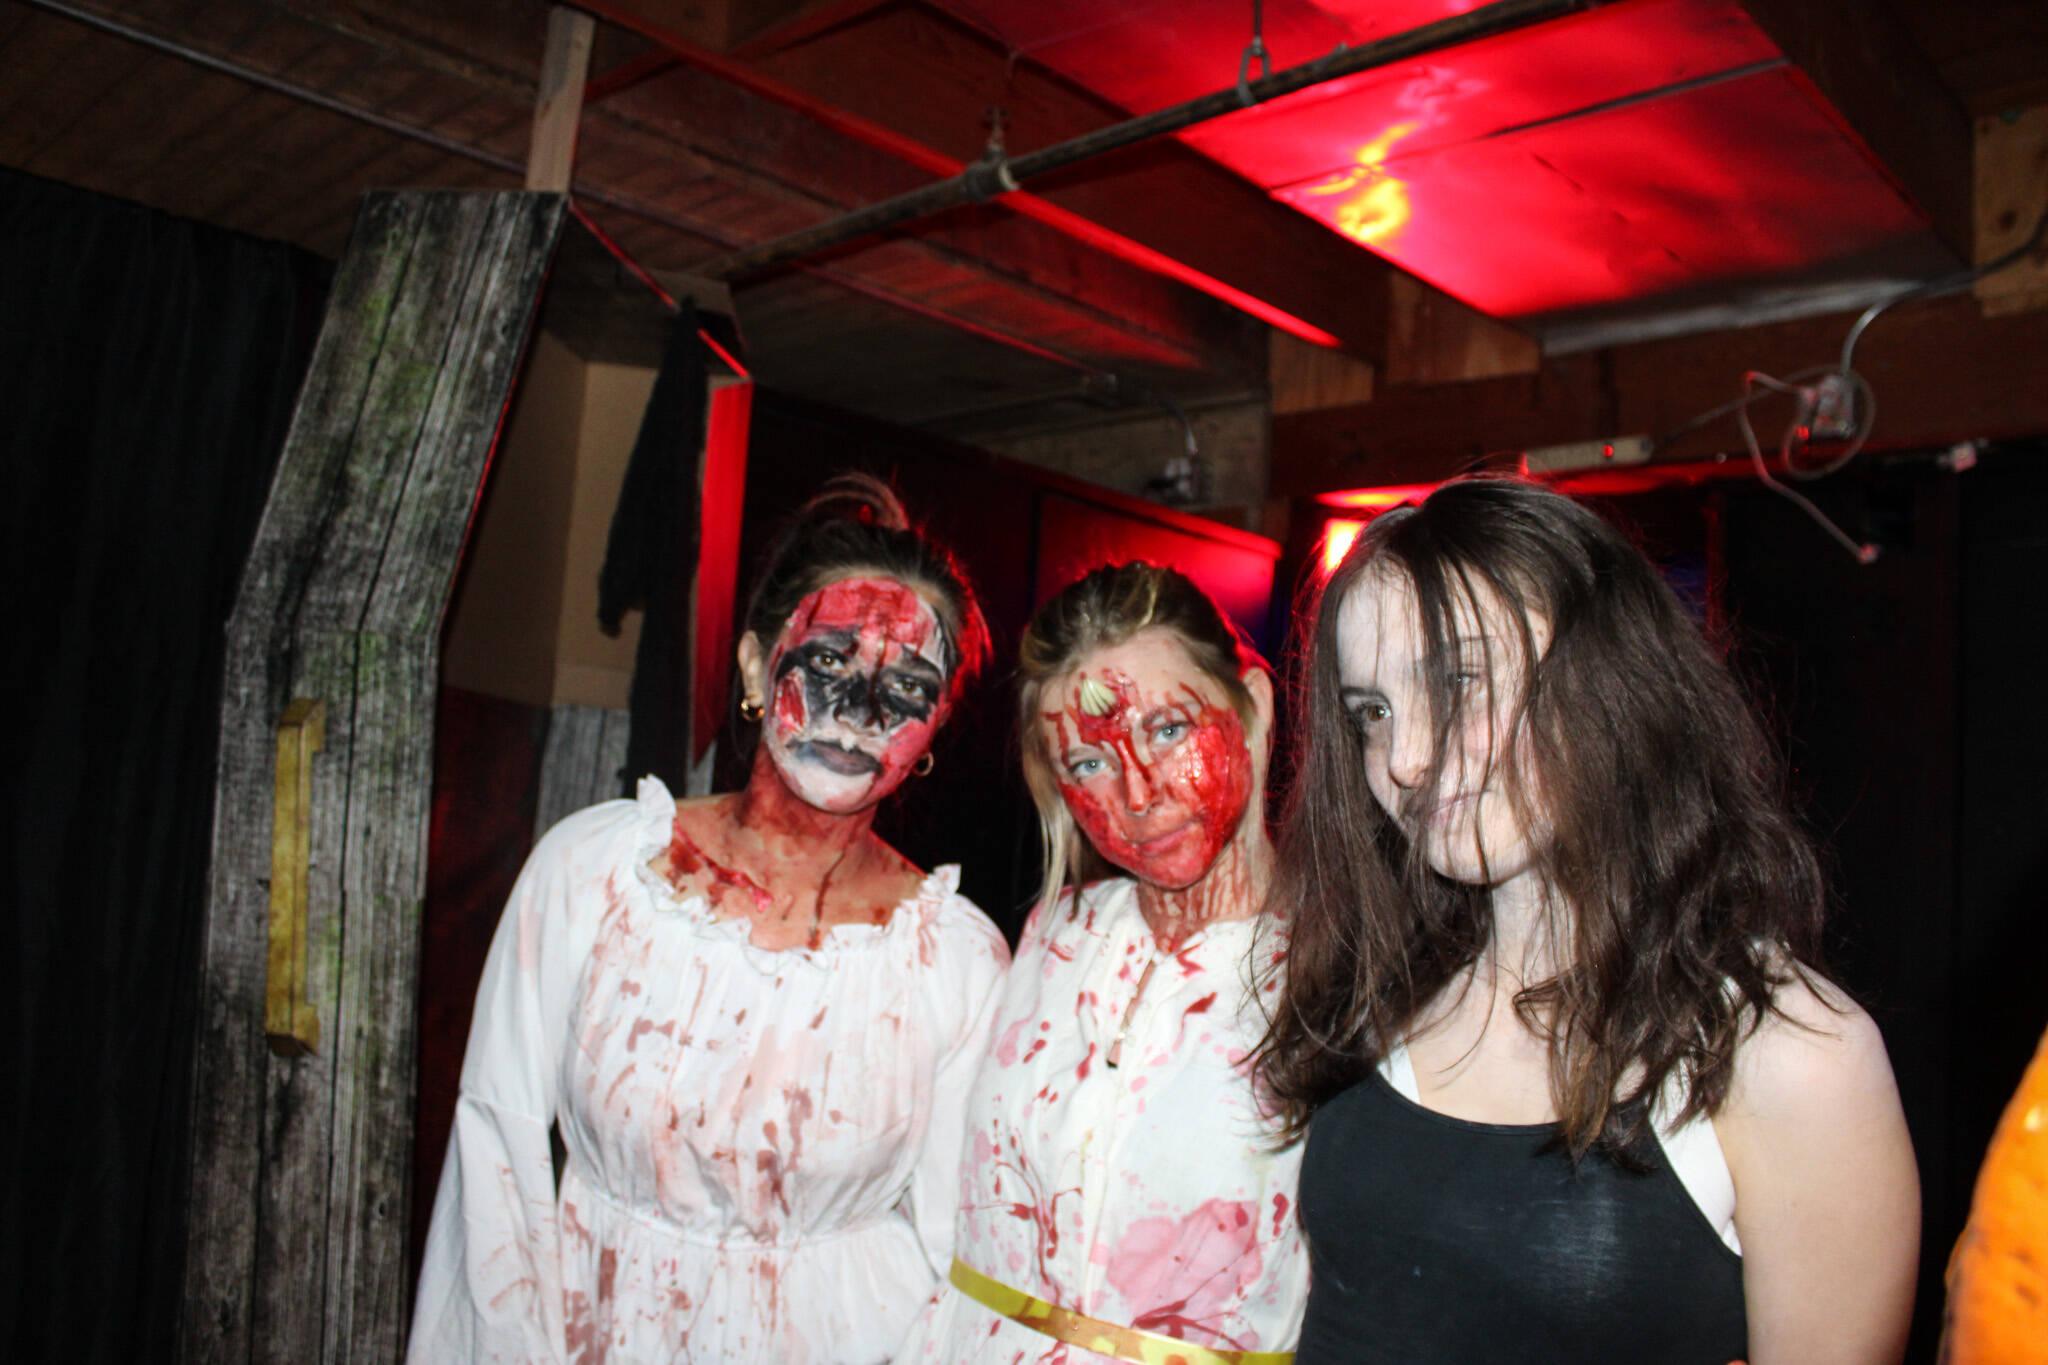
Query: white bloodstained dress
763, 1146
1150, 1194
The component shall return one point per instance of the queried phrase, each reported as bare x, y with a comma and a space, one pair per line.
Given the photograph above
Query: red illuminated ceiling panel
1545, 74
1644, 147
1736, 179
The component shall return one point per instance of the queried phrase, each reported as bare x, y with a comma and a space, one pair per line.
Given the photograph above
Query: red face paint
1155, 773
858, 683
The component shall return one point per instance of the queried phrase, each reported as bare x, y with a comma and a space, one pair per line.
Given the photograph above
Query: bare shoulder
1815, 1052
1826, 1194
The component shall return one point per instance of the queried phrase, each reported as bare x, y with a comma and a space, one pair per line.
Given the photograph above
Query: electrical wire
1863, 551
1862, 402
1861, 398
1944, 284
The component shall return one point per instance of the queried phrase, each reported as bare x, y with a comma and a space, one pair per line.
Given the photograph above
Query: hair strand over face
1682, 890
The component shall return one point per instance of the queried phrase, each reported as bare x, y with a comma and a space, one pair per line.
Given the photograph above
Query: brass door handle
289, 1020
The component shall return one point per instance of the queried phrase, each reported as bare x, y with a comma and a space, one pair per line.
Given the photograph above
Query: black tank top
1436, 1241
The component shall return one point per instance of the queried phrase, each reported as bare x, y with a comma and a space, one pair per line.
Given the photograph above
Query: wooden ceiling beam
1864, 61
769, 170
1941, 373
920, 85
778, 154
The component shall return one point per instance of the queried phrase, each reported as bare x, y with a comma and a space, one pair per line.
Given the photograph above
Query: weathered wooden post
301, 1142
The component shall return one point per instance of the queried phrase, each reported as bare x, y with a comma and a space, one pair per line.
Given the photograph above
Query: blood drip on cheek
1207, 775
1216, 770
792, 714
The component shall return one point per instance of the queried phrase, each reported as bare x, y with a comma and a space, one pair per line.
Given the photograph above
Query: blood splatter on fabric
763, 1146
1132, 1194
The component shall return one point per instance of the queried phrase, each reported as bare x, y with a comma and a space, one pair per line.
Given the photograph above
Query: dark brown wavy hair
1683, 891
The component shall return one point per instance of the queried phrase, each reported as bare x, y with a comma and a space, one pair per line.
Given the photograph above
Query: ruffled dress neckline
656, 809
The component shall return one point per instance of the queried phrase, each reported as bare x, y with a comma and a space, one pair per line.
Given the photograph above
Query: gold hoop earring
751, 710
923, 766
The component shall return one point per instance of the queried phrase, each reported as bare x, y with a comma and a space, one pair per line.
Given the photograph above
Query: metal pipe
990, 177
584, 193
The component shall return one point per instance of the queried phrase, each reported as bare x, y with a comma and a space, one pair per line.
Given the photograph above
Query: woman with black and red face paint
1123, 1197
753, 1022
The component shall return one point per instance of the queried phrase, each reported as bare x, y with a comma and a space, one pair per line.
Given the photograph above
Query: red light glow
1638, 148
1378, 499
1375, 207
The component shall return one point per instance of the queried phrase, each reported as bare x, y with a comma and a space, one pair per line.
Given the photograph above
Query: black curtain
147, 372
651, 553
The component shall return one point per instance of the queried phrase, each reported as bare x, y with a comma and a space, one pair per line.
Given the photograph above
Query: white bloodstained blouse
1149, 1194
763, 1146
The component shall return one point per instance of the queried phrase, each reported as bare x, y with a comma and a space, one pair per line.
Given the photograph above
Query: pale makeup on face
855, 688
1151, 758
1469, 829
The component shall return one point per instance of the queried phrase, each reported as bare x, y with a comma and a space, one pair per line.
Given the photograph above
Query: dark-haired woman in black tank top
1577, 1091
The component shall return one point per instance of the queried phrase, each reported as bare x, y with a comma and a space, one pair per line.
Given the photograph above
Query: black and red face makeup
857, 683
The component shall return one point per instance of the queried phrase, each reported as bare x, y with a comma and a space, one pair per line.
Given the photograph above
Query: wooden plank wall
300, 1165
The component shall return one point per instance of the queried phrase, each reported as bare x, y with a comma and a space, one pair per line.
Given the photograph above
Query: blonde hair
1100, 611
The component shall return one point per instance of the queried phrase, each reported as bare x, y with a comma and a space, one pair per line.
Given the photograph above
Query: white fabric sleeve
933, 1198
491, 1277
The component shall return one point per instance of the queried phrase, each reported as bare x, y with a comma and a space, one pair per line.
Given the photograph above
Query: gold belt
1093, 1334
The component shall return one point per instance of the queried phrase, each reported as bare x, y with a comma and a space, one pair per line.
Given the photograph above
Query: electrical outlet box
1833, 413
1576, 455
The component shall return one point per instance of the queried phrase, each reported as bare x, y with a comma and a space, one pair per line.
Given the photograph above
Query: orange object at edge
1998, 1274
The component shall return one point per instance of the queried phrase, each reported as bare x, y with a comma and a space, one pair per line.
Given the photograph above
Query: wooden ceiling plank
496, 45
167, 177
390, 84
129, 127
1864, 62
222, 164
484, 118
649, 244
47, 53
286, 46
72, 115
403, 163
923, 82
1941, 373
254, 187
933, 78
786, 156
753, 38
149, 152
16, 20
342, 178
216, 26
1992, 53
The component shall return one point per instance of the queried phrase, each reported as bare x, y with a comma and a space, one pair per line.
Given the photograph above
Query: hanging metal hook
1256, 48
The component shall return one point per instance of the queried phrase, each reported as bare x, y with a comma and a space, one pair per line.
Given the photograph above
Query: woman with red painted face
752, 1021
1124, 1199
1574, 1088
